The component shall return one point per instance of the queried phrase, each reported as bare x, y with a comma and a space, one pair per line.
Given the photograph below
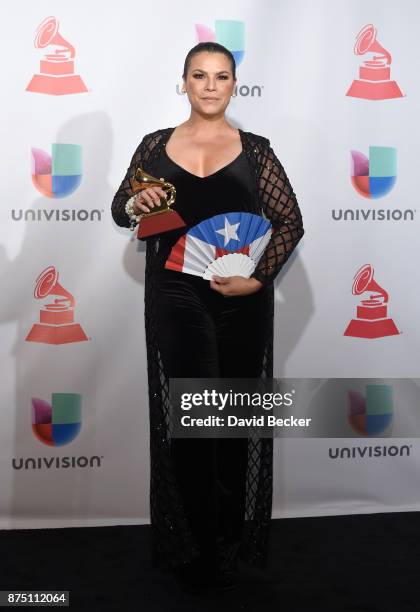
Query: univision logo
57, 423
370, 414
230, 34
373, 177
369, 452
39, 463
56, 176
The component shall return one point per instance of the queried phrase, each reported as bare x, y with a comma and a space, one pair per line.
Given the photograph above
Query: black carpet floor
357, 563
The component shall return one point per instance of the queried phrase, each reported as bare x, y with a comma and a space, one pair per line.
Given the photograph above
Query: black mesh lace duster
172, 542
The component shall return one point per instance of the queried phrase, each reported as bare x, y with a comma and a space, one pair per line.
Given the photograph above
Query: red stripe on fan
221, 251
175, 260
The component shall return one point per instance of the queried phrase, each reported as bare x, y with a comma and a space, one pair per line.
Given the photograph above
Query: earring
233, 95
183, 91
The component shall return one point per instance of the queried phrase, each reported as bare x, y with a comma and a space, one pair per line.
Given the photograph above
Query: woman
210, 499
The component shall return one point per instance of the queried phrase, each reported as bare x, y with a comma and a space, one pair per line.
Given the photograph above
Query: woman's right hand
148, 198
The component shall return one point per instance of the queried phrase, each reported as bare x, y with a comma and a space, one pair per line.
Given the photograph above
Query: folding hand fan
225, 245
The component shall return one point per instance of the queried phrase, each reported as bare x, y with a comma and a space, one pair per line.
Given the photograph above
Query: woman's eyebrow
219, 72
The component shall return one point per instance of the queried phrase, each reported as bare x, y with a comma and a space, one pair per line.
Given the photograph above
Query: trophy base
372, 313
358, 328
54, 317
62, 334
159, 223
57, 85
369, 73
53, 67
374, 90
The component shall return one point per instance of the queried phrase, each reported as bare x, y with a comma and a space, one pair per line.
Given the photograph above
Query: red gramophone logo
56, 324
374, 82
56, 75
372, 320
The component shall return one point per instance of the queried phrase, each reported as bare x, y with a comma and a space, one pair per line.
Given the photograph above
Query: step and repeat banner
334, 86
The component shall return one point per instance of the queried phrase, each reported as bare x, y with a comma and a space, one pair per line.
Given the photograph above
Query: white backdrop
299, 54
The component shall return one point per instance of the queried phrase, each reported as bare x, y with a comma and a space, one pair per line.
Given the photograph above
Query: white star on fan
229, 232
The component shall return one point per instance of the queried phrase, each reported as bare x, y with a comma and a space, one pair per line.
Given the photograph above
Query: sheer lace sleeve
280, 207
142, 156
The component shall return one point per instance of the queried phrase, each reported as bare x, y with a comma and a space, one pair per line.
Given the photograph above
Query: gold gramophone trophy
161, 218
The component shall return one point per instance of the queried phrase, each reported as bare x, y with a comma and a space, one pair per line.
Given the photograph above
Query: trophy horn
364, 281
47, 283
366, 41
47, 34
142, 180
153, 222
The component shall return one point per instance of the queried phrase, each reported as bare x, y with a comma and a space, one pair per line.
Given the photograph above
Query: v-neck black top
229, 189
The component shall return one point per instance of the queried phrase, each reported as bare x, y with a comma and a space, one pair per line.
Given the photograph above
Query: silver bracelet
129, 209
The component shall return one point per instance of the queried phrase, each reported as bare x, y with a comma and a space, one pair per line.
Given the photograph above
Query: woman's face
209, 83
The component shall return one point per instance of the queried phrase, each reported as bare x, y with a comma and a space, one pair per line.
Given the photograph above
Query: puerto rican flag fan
225, 245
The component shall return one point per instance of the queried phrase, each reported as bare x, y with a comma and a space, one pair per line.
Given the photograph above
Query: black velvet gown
210, 498
202, 334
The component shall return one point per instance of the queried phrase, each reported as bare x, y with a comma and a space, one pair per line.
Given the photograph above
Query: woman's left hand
231, 286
